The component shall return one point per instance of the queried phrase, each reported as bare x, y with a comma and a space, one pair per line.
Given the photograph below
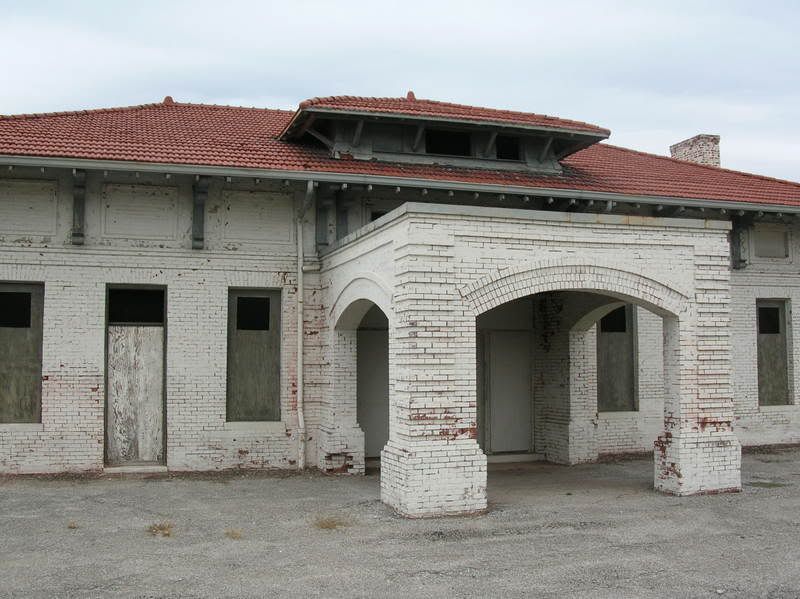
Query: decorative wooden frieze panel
257, 217
140, 212
28, 207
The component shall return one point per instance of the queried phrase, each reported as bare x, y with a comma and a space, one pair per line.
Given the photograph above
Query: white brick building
477, 286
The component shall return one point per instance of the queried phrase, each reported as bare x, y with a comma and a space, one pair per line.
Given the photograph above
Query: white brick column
582, 435
432, 464
698, 451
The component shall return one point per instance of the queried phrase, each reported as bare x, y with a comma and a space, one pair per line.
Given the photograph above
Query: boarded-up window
254, 355
773, 370
21, 315
770, 241
616, 362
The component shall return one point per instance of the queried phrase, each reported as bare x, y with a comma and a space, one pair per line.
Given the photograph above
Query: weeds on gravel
160, 529
329, 522
233, 533
72, 525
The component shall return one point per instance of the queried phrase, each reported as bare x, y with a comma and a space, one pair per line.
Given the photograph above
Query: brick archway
341, 437
505, 285
349, 305
683, 429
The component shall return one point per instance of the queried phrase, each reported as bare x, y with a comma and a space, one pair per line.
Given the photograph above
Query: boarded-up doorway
135, 376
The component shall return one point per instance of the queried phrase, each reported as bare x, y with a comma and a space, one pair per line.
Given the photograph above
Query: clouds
653, 73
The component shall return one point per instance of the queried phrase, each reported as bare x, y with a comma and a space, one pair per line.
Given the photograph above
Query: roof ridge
715, 169
36, 115
318, 100
203, 105
113, 109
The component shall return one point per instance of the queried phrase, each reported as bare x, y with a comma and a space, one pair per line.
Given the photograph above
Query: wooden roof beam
418, 138
321, 137
546, 148
489, 144
357, 133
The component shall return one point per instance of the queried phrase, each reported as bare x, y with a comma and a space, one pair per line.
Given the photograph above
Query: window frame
276, 299
754, 258
631, 330
37, 291
784, 306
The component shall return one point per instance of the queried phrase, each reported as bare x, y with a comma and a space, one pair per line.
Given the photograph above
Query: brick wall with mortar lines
61, 275
437, 255
71, 434
565, 377
362, 271
765, 278
705, 272
702, 149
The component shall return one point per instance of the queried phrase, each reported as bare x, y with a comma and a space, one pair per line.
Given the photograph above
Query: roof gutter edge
430, 184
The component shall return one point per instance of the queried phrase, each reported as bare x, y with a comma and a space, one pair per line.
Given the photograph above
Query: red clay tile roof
411, 106
225, 136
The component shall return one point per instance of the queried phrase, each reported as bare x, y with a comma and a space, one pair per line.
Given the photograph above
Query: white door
508, 392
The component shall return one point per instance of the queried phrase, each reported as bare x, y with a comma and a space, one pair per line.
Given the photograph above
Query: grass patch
233, 533
160, 529
766, 485
329, 522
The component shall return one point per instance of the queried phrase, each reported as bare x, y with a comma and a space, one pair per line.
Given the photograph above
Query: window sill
618, 415
21, 427
276, 427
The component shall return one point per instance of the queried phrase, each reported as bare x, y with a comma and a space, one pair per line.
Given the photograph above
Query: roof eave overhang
362, 179
301, 115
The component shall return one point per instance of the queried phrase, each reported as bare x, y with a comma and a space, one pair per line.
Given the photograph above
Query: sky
654, 72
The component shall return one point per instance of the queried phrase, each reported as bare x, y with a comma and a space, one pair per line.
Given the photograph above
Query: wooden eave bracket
78, 206
199, 197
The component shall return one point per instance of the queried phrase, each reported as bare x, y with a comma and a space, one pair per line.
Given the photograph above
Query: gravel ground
595, 530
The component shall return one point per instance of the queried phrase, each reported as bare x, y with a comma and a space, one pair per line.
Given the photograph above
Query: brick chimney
702, 149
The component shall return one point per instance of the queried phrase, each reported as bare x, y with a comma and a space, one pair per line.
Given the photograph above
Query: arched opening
504, 346
372, 384
357, 418
566, 376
